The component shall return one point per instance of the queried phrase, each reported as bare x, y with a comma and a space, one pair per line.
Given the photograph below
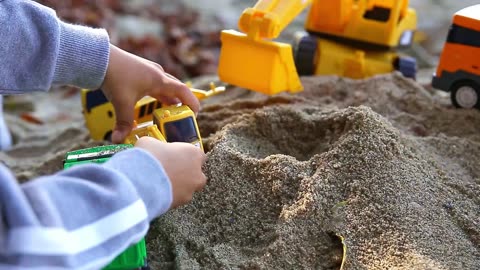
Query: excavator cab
375, 23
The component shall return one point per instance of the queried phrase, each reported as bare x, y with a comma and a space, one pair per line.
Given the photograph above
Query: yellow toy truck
99, 114
351, 38
170, 124
458, 71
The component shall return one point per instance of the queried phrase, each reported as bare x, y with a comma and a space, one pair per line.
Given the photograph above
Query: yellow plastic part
260, 65
100, 119
348, 19
203, 94
146, 129
170, 114
348, 61
269, 17
183, 120
251, 60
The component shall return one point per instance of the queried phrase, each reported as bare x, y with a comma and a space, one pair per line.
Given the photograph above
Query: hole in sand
298, 133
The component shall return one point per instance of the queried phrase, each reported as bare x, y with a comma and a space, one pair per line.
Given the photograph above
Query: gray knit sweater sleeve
38, 50
83, 217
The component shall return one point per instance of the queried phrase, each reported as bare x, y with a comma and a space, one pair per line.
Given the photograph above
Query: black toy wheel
108, 136
465, 94
145, 266
305, 53
407, 66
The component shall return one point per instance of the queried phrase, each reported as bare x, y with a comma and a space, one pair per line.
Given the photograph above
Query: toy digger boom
351, 38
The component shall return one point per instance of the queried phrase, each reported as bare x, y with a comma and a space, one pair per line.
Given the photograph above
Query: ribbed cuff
82, 57
149, 178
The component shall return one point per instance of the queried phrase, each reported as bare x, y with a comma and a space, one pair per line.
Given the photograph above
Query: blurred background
183, 35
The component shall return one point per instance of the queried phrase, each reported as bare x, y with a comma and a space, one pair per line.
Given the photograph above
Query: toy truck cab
145, 129
458, 71
178, 124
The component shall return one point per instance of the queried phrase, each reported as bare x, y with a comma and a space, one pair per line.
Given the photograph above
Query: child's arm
39, 50
81, 217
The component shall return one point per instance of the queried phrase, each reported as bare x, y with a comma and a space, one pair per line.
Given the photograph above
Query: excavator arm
268, 18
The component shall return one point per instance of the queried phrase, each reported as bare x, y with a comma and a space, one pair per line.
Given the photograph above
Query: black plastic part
145, 265
462, 35
304, 55
407, 66
95, 98
378, 14
108, 136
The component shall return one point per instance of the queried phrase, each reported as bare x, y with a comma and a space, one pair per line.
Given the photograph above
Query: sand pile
399, 182
384, 163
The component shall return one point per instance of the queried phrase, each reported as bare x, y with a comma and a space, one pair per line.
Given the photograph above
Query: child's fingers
124, 112
173, 89
171, 76
178, 91
182, 92
169, 100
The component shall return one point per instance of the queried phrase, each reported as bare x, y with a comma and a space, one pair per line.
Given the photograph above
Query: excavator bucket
258, 65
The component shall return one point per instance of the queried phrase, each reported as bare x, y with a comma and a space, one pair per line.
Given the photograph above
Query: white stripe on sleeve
57, 241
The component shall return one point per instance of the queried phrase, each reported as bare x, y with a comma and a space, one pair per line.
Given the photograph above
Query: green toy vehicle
135, 257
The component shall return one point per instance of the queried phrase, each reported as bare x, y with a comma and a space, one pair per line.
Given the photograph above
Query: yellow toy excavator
350, 38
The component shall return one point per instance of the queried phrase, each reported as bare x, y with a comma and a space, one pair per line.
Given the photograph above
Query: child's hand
129, 78
183, 165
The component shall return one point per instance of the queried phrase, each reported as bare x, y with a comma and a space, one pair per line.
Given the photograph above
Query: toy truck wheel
108, 136
407, 66
305, 53
465, 94
144, 267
